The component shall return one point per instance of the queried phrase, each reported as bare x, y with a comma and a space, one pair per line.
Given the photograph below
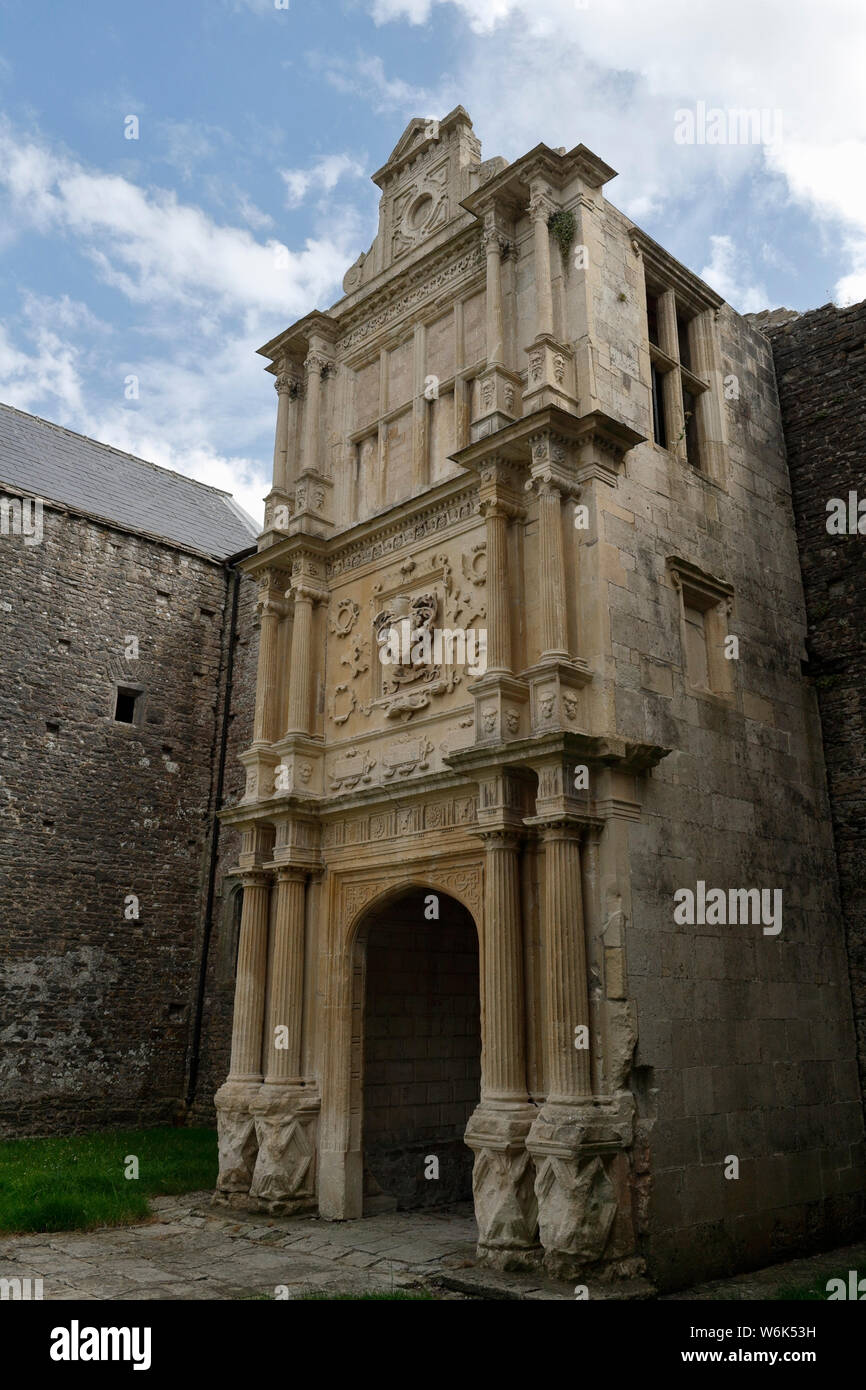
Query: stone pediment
433, 167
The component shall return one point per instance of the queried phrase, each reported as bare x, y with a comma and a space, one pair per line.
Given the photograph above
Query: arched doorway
421, 1050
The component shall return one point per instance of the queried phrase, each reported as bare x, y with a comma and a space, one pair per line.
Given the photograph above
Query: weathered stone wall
96, 1006
421, 1051
216, 1035
820, 361
745, 1043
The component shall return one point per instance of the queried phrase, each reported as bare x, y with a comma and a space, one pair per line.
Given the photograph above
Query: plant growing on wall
561, 225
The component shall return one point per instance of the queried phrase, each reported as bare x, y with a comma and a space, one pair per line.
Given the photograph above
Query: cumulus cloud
614, 74
323, 176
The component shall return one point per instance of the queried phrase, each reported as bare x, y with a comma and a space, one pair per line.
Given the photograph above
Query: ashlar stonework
519, 421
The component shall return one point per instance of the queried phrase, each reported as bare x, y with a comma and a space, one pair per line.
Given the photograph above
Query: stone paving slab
191, 1250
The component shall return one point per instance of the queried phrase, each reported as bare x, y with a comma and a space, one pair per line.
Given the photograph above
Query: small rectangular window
652, 320
659, 428
125, 705
691, 428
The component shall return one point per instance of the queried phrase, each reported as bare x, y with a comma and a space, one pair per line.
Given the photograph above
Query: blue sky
173, 256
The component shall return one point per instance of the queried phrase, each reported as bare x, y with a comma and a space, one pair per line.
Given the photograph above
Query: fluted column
503, 1064
493, 248
540, 208
300, 671
283, 386
496, 517
271, 610
566, 998
551, 566
286, 985
249, 1010
315, 364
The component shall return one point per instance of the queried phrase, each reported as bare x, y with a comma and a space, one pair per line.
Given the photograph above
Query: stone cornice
669, 273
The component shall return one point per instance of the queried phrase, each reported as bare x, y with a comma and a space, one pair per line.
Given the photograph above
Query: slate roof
60, 466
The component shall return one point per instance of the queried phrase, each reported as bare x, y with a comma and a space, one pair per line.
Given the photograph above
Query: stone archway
418, 1049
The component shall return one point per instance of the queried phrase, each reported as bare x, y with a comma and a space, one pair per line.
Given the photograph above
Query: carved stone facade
464, 444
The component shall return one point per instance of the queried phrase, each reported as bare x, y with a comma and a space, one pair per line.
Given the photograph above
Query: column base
284, 1179
503, 1185
238, 1143
582, 1185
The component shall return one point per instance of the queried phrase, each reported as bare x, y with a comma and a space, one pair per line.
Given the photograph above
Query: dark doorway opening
422, 1052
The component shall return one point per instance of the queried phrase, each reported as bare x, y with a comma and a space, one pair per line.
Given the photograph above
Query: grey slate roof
60, 466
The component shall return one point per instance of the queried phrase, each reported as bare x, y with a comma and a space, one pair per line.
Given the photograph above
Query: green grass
77, 1183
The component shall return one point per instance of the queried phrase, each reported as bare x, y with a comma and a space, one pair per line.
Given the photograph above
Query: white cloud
324, 175
613, 74
154, 248
366, 77
727, 272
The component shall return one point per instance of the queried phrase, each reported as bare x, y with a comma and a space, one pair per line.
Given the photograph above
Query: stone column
540, 208
496, 517
672, 386
495, 334
271, 610
283, 386
300, 670
286, 1001
503, 1062
316, 364
573, 1138
249, 1012
286, 1113
551, 571
502, 1176
238, 1143
566, 997
706, 364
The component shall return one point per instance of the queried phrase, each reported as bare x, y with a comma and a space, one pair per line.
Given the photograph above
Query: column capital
289, 380
317, 362
499, 838
541, 205
254, 878
290, 873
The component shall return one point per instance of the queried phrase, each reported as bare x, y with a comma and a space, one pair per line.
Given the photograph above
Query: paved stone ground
191, 1250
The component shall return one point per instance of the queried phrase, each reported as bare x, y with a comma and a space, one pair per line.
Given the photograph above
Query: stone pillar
495, 331
283, 385
249, 1012
496, 517
706, 364
271, 610
672, 386
300, 670
540, 209
285, 1113
316, 364
573, 1137
238, 1143
503, 1062
286, 992
551, 571
566, 998
502, 1176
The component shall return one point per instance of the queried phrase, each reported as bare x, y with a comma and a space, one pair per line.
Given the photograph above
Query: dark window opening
683, 340
124, 708
659, 428
652, 320
691, 429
